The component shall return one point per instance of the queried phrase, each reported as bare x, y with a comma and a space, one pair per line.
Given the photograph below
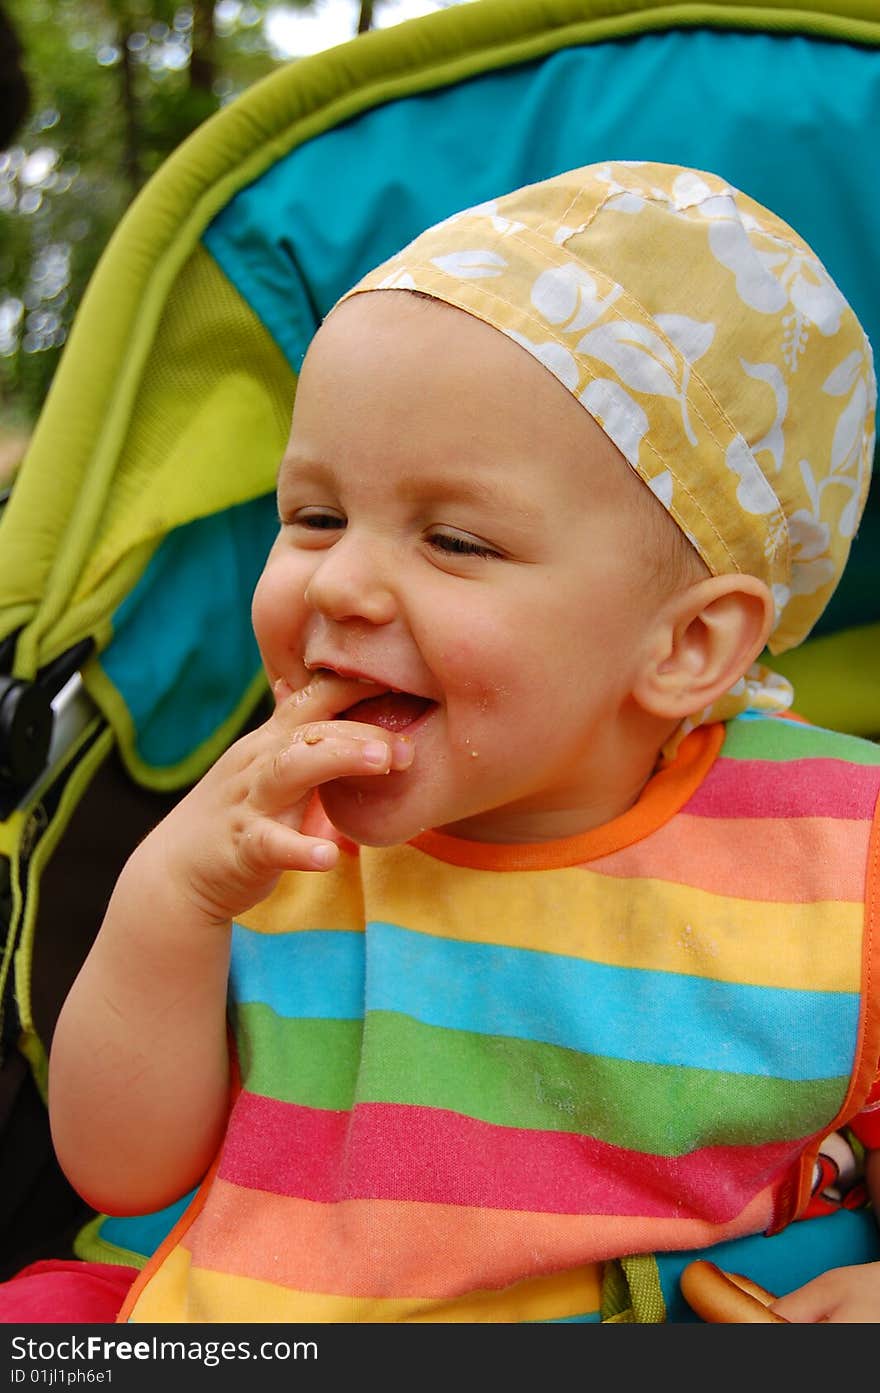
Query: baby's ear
705, 638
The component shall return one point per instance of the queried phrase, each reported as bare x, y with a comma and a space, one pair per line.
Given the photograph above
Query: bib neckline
665, 793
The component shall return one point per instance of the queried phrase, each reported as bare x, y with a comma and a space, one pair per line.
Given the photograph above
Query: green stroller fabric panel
213, 371
207, 425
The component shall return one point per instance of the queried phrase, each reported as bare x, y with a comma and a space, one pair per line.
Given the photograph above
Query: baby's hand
227, 842
841, 1295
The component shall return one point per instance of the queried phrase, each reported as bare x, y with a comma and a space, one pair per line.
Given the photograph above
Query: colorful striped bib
469, 1074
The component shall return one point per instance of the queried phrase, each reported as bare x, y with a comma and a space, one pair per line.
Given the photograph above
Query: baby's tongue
392, 710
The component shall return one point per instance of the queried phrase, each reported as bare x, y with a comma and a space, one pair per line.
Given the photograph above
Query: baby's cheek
266, 614
475, 676
277, 617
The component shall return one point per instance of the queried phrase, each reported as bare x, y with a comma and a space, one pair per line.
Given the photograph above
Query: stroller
144, 509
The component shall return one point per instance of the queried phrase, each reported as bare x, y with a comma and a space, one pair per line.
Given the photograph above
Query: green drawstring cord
631, 1291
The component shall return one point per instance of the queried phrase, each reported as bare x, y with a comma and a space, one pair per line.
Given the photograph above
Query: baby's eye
461, 544
315, 520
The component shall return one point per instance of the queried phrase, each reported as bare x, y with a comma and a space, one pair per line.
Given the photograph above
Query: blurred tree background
94, 94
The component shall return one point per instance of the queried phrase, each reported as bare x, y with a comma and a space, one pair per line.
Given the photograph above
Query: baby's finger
316, 754
271, 846
281, 691
807, 1304
818, 1300
322, 698
314, 732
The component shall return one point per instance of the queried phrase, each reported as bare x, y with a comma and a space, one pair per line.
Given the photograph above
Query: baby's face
457, 532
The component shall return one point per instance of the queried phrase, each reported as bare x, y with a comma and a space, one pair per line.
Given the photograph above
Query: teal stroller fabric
145, 507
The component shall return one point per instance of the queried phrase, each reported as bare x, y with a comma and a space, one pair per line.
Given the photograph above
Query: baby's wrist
169, 883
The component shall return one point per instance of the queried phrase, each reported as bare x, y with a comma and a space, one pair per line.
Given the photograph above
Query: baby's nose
351, 580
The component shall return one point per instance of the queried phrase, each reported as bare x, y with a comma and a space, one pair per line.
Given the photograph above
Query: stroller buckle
26, 719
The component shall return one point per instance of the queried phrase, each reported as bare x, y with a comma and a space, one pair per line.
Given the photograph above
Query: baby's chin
365, 815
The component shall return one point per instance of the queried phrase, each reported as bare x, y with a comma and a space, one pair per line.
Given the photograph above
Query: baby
529, 933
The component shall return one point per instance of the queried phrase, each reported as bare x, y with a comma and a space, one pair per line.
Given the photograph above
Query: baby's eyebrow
297, 470
304, 466
490, 493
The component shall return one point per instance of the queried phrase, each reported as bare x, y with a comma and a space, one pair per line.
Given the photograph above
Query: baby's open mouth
394, 711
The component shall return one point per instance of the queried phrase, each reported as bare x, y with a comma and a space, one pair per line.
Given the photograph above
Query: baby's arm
139, 1077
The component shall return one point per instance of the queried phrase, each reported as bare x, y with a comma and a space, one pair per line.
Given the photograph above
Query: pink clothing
54, 1292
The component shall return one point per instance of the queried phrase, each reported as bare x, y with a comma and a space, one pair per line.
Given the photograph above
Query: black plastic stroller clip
27, 718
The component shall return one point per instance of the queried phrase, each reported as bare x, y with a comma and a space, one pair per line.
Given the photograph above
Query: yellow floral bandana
708, 342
